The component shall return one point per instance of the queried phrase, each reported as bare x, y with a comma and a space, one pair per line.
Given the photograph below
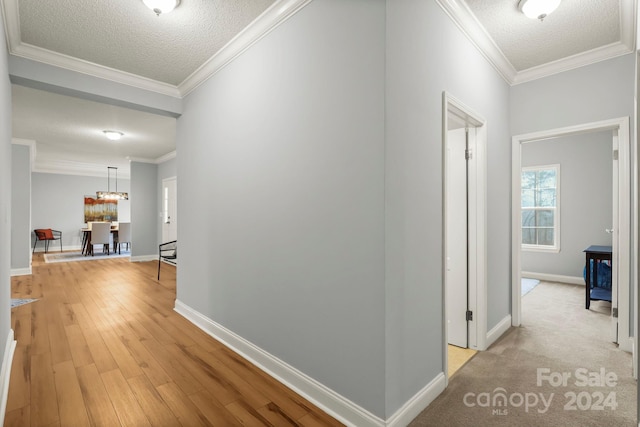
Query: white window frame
556, 224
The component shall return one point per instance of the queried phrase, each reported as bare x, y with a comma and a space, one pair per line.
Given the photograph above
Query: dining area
105, 236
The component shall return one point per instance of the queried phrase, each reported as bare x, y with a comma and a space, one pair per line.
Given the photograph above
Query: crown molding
166, 157
67, 62
69, 167
462, 16
571, 62
467, 22
275, 15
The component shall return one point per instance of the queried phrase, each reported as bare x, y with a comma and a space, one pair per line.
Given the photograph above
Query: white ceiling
124, 41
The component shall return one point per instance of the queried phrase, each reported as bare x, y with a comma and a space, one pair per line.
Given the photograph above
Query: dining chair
124, 234
100, 235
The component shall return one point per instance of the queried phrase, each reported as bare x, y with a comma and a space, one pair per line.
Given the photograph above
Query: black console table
597, 254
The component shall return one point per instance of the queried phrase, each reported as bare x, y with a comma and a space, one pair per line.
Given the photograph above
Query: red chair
47, 235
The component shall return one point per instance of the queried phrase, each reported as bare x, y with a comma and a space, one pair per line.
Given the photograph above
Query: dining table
86, 247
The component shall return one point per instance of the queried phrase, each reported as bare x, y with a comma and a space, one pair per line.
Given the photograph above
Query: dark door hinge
469, 315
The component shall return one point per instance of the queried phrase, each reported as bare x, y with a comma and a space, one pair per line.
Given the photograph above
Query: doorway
621, 231
464, 216
169, 211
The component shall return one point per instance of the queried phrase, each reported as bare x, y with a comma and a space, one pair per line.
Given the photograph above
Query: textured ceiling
575, 27
127, 36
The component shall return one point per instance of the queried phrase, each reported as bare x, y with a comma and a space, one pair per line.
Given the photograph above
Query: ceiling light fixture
113, 135
111, 195
161, 6
538, 9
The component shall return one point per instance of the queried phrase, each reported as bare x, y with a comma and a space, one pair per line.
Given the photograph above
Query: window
540, 208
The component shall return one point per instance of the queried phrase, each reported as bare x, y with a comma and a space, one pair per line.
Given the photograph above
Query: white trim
275, 15
143, 258
462, 16
477, 184
166, 157
5, 371
589, 57
60, 60
497, 331
621, 126
626, 345
467, 22
72, 167
21, 271
558, 278
320, 395
412, 408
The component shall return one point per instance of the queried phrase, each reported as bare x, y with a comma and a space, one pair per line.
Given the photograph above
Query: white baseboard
144, 258
498, 330
21, 271
626, 345
574, 280
418, 403
5, 371
328, 400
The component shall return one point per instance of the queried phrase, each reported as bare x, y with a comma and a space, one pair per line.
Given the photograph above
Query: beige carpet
558, 338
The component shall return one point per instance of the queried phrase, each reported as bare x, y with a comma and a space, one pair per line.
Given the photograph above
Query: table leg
588, 283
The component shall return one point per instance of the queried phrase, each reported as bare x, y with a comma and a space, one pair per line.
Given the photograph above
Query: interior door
457, 238
169, 211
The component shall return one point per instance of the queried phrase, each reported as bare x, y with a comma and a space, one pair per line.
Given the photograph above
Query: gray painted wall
285, 162
281, 197
426, 55
20, 207
586, 182
144, 203
58, 202
5, 202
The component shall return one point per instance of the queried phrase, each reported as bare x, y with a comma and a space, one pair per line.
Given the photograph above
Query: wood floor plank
44, 410
149, 365
158, 413
20, 385
186, 412
121, 355
80, 352
70, 400
99, 352
213, 410
124, 401
98, 404
103, 346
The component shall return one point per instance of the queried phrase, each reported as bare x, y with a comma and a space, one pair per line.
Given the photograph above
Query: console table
597, 254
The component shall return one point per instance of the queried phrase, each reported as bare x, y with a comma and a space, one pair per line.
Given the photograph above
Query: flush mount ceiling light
161, 6
113, 135
538, 9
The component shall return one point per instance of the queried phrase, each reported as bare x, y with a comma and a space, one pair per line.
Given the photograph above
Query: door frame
174, 179
477, 225
621, 127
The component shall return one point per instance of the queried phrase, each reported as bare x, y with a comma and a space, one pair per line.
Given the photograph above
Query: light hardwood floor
102, 346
